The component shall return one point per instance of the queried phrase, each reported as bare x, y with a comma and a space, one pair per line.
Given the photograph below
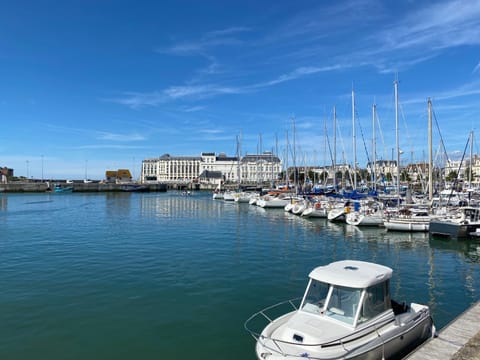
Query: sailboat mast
294, 159
334, 148
354, 143
471, 161
374, 149
430, 152
396, 136
287, 180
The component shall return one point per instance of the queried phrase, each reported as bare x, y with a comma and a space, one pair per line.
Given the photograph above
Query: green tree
405, 176
452, 175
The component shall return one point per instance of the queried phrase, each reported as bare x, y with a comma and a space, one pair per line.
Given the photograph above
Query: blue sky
87, 86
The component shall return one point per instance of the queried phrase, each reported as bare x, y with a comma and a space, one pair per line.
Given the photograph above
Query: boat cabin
350, 292
470, 214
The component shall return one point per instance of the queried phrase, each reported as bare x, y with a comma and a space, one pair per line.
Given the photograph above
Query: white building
250, 168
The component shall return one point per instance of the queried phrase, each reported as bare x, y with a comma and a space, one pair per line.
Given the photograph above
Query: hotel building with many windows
247, 169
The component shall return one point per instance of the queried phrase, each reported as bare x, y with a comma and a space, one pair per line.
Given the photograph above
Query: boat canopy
352, 273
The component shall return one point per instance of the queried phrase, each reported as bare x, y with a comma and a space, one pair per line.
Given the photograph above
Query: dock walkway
459, 340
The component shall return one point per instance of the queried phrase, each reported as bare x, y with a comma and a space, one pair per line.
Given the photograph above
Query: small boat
345, 313
457, 224
134, 188
62, 189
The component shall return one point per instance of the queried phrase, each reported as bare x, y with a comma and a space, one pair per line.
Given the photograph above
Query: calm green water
163, 276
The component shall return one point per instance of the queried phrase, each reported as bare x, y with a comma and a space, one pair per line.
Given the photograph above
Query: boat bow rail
263, 315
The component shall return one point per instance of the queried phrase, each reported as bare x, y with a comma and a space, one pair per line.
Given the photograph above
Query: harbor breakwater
31, 187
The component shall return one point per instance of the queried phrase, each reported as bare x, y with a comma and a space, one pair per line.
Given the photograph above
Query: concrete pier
31, 187
459, 340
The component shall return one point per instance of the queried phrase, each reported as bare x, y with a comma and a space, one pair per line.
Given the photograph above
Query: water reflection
468, 248
3, 203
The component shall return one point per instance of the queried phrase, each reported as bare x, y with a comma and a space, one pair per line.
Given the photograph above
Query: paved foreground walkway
459, 340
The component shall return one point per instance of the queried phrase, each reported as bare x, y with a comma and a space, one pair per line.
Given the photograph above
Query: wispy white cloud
297, 73
110, 146
136, 100
476, 69
200, 91
120, 137
424, 33
194, 109
224, 37
437, 26
211, 131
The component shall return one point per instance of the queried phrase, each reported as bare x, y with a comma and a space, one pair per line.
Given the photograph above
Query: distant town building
382, 168
5, 174
118, 176
211, 177
250, 168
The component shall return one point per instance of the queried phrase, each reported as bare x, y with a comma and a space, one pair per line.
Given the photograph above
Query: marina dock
459, 340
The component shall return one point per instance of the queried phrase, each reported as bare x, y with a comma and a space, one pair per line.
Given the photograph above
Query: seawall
22, 187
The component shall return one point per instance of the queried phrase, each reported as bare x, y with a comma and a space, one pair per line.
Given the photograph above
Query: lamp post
28, 173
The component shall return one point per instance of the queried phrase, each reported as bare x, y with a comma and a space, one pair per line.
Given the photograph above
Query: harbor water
167, 276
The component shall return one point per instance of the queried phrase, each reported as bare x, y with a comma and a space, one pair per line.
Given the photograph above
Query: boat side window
376, 301
315, 297
343, 303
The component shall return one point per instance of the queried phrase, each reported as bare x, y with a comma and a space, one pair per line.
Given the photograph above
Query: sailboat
408, 218
368, 212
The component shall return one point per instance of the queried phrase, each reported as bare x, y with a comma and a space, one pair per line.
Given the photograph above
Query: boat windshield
315, 297
343, 304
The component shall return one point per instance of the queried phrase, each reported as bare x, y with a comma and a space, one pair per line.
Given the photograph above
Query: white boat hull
407, 225
358, 219
315, 212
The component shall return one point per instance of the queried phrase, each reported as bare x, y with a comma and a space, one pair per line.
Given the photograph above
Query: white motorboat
457, 223
345, 313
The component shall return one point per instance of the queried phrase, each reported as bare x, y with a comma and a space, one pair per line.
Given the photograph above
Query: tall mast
354, 143
430, 152
287, 179
396, 136
334, 148
374, 149
471, 160
294, 159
